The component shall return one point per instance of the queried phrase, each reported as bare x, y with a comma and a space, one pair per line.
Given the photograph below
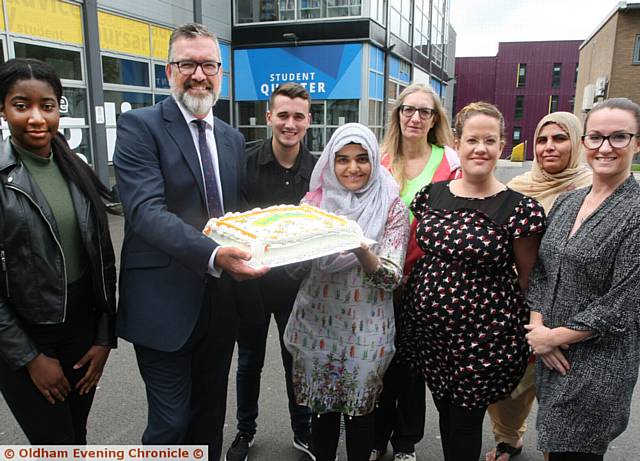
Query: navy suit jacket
165, 256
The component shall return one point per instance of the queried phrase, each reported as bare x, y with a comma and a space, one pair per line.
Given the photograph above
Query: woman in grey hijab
341, 330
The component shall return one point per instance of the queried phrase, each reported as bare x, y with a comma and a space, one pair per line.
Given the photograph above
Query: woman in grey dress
584, 296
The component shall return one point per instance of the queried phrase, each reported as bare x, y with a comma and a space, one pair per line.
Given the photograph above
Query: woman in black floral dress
465, 313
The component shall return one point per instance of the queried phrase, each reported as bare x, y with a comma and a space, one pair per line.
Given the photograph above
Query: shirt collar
189, 117
303, 166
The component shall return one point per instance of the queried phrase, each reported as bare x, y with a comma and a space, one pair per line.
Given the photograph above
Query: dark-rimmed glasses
616, 140
209, 68
424, 112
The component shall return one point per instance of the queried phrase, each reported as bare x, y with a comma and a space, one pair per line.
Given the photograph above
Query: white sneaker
404, 456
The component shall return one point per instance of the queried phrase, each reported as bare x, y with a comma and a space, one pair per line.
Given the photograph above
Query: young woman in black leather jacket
57, 279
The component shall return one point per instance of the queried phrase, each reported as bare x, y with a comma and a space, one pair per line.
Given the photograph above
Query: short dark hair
290, 90
190, 31
617, 103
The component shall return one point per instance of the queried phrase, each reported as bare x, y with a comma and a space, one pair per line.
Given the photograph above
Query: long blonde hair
440, 134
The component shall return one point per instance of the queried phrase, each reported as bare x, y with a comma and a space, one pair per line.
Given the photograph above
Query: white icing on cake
284, 234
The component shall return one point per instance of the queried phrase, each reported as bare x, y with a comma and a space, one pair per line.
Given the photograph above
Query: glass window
287, 10
222, 110
636, 50
123, 101
315, 139
256, 11
342, 111
400, 19
74, 103
159, 97
521, 77
517, 134
317, 113
125, 71
555, 79
252, 135
378, 11
575, 76
519, 112
251, 113
74, 122
67, 63
553, 103
160, 75
340, 8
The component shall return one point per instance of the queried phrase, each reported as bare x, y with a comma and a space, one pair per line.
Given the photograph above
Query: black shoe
303, 443
239, 449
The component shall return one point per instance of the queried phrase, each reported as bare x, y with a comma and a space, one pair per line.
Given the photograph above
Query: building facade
354, 56
525, 80
610, 59
110, 55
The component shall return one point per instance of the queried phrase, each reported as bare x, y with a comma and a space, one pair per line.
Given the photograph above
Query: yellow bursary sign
50, 19
124, 35
160, 42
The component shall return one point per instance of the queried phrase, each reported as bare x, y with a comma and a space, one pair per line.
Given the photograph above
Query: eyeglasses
616, 140
209, 68
425, 112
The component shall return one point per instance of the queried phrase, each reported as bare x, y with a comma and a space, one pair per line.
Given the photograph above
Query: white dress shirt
211, 143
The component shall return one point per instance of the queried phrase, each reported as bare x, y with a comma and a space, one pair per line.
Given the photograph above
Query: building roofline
621, 6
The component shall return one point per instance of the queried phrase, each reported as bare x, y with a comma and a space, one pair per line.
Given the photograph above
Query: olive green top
47, 175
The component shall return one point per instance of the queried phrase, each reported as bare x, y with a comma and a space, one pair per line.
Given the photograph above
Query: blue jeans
252, 341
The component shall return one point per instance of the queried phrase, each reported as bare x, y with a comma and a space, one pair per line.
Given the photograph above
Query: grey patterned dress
590, 282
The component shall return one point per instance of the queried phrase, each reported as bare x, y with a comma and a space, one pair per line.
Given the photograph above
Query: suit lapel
225, 165
179, 131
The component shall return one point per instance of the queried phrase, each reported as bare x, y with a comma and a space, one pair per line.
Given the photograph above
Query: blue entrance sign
326, 71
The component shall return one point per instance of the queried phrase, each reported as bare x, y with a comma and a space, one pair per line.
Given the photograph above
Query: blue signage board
326, 71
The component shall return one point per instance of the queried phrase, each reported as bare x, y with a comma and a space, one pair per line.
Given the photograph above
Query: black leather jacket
33, 286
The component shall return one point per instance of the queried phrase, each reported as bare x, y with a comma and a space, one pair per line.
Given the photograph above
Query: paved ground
119, 412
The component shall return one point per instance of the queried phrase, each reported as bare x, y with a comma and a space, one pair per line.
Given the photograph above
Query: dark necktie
210, 182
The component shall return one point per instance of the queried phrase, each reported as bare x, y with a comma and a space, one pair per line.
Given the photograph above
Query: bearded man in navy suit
177, 165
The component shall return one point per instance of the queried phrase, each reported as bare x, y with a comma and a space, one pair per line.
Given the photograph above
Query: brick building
609, 64
526, 80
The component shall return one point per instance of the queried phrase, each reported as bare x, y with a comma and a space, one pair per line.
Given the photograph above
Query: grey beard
195, 105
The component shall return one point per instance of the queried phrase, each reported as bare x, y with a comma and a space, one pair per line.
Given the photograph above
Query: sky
481, 24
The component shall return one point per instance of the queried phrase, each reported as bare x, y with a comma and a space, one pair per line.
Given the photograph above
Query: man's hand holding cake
234, 261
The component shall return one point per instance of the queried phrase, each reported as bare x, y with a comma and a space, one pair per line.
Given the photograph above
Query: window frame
148, 61
521, 77
518, 113
636, 51
554, 98
514, 141
3, 47
297, 13
556, 76
54, 45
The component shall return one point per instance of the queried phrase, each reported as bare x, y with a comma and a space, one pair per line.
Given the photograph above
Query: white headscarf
368, 206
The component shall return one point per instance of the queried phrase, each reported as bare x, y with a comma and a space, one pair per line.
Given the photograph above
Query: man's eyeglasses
209, 68
424, 112
616, 140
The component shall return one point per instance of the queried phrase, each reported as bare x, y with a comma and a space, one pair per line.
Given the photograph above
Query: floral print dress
463, 324
341, 329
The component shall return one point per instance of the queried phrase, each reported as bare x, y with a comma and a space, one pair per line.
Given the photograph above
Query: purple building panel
526, 81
